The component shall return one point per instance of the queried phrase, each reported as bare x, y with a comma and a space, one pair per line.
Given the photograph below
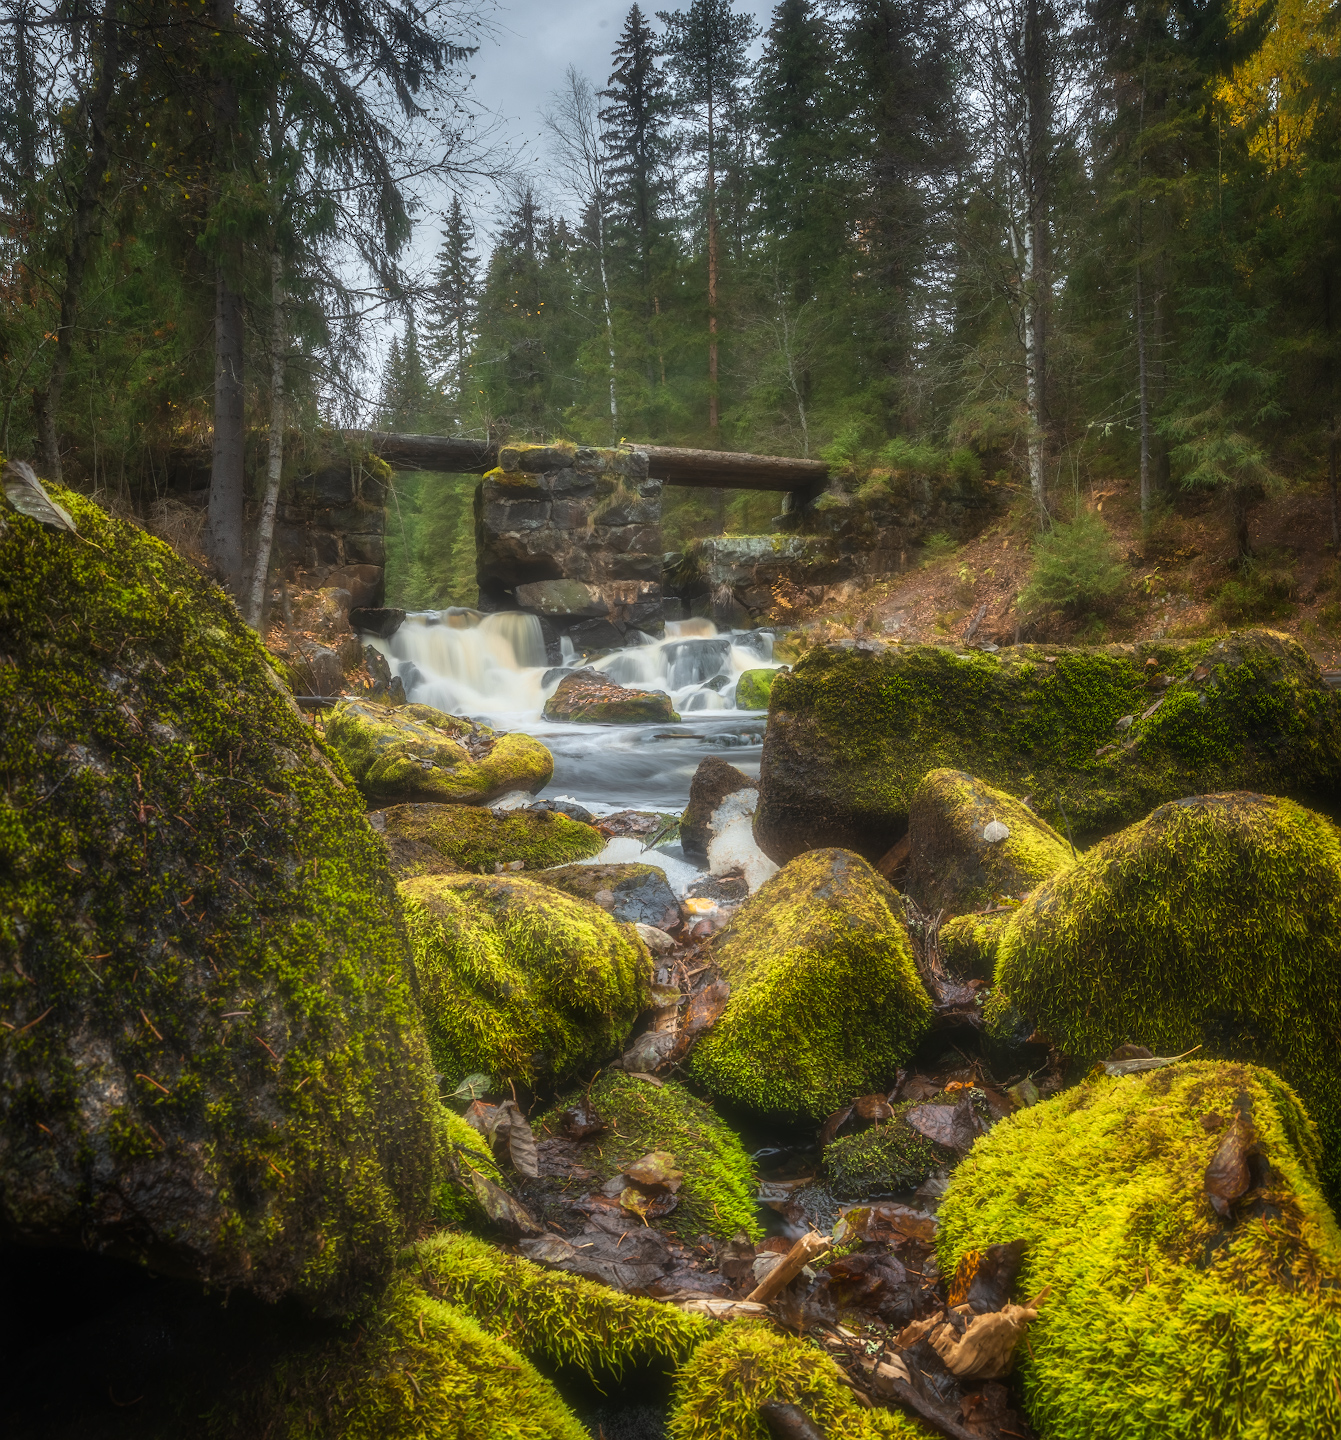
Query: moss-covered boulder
971, 844
414, 752
517, 979
1096, 735
892, 1155
637, 894
719, 1391
1161, 1316
1216, 921
717, 1196
753, 688
210, 1059
968, 942
439, 839
825, 1002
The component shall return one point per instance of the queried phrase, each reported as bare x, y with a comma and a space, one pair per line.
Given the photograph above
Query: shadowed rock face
586, 696
713, 781
639, 894
211, 1060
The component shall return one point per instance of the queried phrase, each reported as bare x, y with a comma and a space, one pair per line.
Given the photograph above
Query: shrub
1076, 568
1263, 591
939, 546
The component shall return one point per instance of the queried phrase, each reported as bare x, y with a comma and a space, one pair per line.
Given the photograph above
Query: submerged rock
1161, 1316
439, 839
825, 1003
713, 781
852, 732
638, 894
211, 1060
971, 844
586, 696
1216, 922
517, 979
413, 752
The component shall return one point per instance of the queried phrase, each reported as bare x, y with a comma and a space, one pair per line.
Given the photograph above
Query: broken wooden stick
789, 1267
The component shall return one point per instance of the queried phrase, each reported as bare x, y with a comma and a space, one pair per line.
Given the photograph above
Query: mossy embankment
439, 839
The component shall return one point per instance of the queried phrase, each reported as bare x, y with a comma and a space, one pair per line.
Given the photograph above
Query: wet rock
753, 687
713, 781
588, 697
562, 597
416, 753
638, 894
438, 839
376, 620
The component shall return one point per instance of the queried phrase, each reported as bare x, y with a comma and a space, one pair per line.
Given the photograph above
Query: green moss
719, 1391
968, 943
851, 734
428, 839
1215, 921
1161, 1318
517, 979
211, 1060
753, 689
952, 864
889, 1157
718, 1194
413, 752
563, 1319
825, 1003
461, 1149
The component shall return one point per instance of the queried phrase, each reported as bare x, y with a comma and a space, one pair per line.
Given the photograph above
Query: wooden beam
447, 454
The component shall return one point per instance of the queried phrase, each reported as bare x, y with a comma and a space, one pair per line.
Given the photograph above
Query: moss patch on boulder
968, 943
440, 839
1163, 1318
753, 688
211, 1059
971, 844
1216, 921
718, 1193
413, 752
719, 1391
638, 893
851, 733
517, 979
891, 1155
826, 1002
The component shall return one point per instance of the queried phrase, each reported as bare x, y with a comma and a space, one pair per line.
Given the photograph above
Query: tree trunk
1241, 499
1331, 481
48, 404
265, 530
1036, 250
1142, 366
609, 322
712, 278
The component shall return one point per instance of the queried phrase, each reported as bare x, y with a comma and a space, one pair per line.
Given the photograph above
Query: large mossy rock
753, 688
852, 733
638, 894
439, 839
717, 1196
414, 752
518, 980
587, 697
1216, 921
825, 1002
1161, 1317
892, 1156
959, 858
211, 1059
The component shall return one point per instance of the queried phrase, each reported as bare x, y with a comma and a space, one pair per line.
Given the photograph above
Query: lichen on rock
517, 979
211, 1059
439, 839
414, 752
1159, 1316
826, 1001
970, 844
1215, 921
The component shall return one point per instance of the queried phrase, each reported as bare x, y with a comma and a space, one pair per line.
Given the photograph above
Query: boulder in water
211, 1060
440, 839
414, 752
713, 781
826, 1002
586, 696
753, 689
638, 894
517, 979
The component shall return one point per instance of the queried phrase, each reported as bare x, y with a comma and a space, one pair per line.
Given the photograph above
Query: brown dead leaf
986, 1349
645, 1206
872, 1107
580, 1120
1228, 1177
954, 1126
502, 1209
886, 1222
832, 1125
656, 1171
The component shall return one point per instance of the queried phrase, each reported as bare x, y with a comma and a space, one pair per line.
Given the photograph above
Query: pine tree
452, 308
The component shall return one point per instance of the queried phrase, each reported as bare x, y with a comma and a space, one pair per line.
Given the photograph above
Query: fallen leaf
832, 1125
986, 1349
954, 1126
580, 1120
648, 1207
1118, 1068
886, 1222
656, 1171
26, 494
501, 1208
983, 1278
473, 1087
872, 1107
1132, 1052
1228, 1177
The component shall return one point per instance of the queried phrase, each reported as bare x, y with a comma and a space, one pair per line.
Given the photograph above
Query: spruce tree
452, 307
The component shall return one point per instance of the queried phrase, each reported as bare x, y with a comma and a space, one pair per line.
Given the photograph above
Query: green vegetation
428, 839
1216, 922
461, 1149
517, 979
1077, 569
888, 1157
968, 943
1264, 590
718, 1193
825, 1003
1158, 1317
753, 689
430, 541
202, 964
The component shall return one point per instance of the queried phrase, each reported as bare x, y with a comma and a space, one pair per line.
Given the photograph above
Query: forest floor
1178, 579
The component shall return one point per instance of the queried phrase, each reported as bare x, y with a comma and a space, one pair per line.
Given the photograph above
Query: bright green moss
889, 1157
718, 1194
517, 979
753, 687
413, 752
420, 838
563, 1319
851, 734
211, 1060
1216, 922
954, 866
968, 943
825, 1003
1162, 1319
719, 1391
412, 1368
461, 1149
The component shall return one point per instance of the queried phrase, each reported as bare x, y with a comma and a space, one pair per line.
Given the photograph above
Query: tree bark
49, 402
265, 530
712, 275
1036, 249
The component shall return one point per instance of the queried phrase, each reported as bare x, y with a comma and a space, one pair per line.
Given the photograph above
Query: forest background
1046, 242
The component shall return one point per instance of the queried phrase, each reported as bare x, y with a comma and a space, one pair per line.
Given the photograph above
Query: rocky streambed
966, 1071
